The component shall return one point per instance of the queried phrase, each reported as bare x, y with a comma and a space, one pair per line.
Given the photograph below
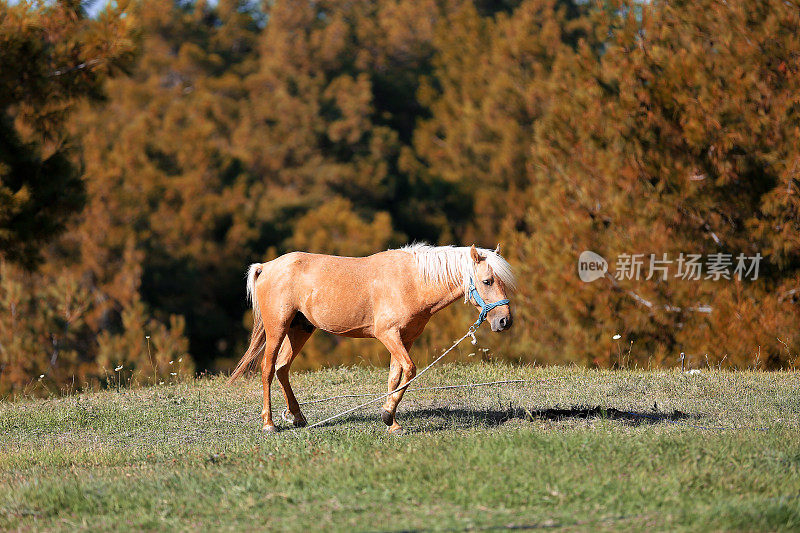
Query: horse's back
372, 266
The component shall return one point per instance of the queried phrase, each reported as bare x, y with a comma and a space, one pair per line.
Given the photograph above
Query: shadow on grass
443, 418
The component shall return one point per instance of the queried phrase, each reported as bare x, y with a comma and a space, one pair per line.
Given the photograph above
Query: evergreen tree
53, 56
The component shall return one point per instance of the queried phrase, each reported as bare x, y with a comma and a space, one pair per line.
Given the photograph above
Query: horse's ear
473, 252
497, 250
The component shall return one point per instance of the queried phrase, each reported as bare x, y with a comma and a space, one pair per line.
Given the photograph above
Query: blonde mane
453, 265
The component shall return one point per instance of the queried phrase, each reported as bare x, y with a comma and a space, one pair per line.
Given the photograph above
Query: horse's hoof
299, 421
395, 432
387, 417
269, 429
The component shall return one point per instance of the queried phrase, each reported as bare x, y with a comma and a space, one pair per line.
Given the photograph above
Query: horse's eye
487, 282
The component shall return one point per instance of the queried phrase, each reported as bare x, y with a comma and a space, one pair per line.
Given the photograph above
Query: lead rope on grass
486, 384
470, 333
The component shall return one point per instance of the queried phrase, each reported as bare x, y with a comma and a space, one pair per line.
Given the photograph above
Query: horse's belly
358, 333
344, 330
340, 316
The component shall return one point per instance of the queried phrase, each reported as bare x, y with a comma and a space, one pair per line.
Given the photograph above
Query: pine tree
53, 56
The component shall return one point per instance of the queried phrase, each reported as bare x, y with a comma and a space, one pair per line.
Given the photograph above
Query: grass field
574, 449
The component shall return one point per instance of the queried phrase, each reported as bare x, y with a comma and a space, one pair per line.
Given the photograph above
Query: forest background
151, 150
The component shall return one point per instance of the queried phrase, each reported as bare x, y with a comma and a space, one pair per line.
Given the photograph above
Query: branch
787, 294
702, 308
85, 64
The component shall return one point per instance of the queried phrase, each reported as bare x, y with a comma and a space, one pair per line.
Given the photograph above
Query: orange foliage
554, 126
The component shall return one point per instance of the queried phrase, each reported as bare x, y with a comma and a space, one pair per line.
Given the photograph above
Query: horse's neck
442, 295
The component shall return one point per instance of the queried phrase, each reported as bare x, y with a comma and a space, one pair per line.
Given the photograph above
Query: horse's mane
453, 264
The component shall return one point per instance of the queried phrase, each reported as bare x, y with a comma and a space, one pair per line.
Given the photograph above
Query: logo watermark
693, 267
591, 266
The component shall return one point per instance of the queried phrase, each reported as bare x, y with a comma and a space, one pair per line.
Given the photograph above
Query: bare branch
84, 65
701, 308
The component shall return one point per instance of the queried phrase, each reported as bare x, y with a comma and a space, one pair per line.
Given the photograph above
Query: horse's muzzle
502, 323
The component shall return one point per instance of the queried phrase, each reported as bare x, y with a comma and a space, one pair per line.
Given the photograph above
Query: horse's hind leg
291, 346
274, 337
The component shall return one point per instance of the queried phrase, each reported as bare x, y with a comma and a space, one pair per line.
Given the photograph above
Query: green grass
577, 449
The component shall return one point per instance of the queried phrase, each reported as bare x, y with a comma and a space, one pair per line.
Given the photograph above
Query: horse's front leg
395, 373
402, 370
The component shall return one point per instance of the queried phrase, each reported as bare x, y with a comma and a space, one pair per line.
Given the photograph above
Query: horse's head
491, 289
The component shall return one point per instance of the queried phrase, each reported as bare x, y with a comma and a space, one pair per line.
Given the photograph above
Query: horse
389, 296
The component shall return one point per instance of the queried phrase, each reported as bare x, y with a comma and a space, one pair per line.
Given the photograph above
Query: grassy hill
572, 448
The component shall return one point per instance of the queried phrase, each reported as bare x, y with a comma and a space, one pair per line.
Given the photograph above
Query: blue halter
485, 308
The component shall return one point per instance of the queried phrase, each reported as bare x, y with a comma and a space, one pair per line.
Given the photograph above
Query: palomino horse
389, 296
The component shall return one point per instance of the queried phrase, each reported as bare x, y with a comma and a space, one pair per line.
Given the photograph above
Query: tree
53, 56
672, 130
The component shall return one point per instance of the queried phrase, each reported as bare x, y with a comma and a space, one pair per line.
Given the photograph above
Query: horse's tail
258, 336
